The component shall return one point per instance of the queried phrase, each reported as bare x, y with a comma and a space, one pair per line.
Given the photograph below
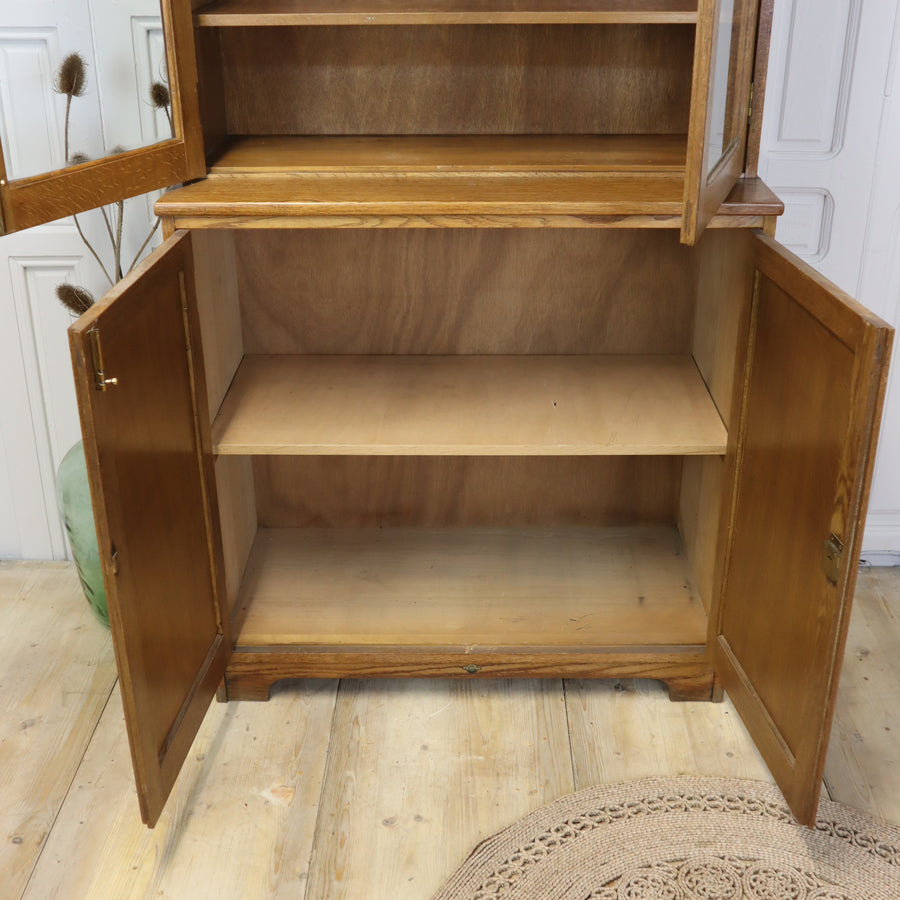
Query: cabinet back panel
393, 491
464, 79
465, 291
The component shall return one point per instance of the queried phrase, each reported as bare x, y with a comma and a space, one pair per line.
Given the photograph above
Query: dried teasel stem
87, 244
162, 99
70, 79
137, 255
120, 206
75, 299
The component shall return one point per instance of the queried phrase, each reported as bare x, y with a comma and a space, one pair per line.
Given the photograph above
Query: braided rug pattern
683, 839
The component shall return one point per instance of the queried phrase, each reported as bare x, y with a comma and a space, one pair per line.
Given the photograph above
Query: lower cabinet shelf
336, 602
459, 405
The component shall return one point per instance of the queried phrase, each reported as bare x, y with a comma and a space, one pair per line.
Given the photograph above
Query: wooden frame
27, 202
404, 483
800, 455
708, 181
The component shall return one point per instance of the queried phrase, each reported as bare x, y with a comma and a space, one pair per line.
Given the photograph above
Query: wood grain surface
627, 729
464, 79
457, 153
464, 491
584, 587
149, 466
468, 405
57, 672
244, 13
419, 772
465, 291
240, 821
267, 784
814, 386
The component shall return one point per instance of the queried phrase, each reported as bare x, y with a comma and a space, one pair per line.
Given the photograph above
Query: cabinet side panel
218, 311
211, 88
699, 513
513, 79
466, 491
724, 272
237, 514
465, 291
724, 288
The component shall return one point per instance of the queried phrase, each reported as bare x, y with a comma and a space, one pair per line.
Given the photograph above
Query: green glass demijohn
74, 497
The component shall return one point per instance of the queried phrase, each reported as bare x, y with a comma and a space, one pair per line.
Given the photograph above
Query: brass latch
101, 382
832, 549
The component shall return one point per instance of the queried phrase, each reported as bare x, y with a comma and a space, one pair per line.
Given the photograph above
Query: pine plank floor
369, 790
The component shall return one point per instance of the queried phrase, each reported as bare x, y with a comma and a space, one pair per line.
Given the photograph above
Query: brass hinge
101, 382
832, 550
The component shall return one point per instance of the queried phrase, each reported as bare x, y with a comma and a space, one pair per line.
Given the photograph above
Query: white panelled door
826, 152
121, 41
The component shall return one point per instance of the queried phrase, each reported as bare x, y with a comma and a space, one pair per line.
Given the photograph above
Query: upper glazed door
803, 451
52, 115
138, 374
720, 101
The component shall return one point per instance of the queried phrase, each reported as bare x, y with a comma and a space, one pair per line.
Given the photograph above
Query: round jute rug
683, 839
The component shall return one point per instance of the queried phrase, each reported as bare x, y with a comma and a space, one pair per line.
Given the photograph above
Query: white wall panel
805, 227
813, 108
41, 324
831, 141
30, 132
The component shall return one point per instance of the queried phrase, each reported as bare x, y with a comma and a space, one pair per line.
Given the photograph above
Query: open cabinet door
720, 99
26, 202
812, 395
153, 496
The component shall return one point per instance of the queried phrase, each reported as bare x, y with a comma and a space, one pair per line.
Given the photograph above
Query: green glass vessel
74, 497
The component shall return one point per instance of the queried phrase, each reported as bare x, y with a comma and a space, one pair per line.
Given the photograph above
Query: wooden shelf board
435, 154
468, 405
472, 588
477, 180
444, 12
458, 194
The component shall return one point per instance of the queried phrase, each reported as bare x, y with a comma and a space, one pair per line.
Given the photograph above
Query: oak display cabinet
471, 355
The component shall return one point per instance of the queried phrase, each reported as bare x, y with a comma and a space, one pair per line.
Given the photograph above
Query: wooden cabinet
472, 356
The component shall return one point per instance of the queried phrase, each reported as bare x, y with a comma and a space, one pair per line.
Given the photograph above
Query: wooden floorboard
239, 823
373, 789
622, 730
863, 767
420, 771
56, 674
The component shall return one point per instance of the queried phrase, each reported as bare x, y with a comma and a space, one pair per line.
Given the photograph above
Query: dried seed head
76, 159
71, 76
75, 299
159, 95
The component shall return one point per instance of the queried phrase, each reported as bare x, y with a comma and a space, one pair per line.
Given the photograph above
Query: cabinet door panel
152, 490
802, 457
29, 201
720, 96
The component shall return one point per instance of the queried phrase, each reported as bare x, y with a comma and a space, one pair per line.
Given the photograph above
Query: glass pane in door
725, 116
79, 80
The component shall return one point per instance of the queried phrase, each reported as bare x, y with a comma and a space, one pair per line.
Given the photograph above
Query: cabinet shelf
454, 588
478, 180
468, 405
444, 12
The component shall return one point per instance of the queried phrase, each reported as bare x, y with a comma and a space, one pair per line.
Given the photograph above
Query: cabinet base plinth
703, 686
253, 670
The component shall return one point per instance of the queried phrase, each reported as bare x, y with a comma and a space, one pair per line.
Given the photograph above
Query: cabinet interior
404, 112
353, 514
